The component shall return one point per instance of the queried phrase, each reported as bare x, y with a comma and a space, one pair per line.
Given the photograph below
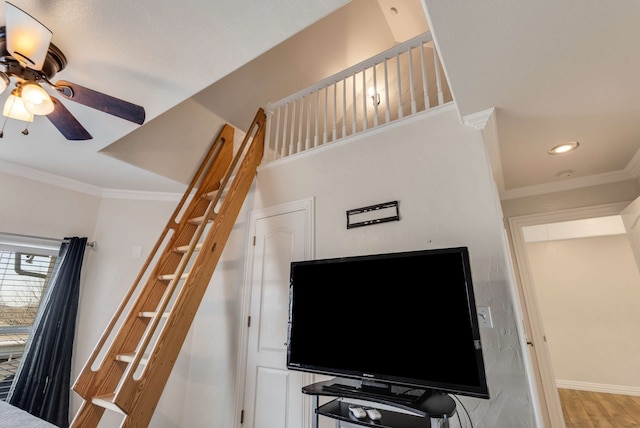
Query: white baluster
399, 79
425, 87
300, 124
279, 142
315, 133
412, 89
375, 97
307, 141
335, 111
344, 107
436, 62
326, 113
354, 126
364, 100
386, 92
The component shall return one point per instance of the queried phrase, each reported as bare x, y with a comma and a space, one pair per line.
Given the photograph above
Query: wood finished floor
583, 409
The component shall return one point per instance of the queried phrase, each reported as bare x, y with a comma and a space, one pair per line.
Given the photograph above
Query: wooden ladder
131, 363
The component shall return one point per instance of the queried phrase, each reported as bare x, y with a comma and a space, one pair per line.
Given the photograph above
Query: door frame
306, 205
545, 379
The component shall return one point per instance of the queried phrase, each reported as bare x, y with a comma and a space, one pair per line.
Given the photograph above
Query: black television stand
427, 408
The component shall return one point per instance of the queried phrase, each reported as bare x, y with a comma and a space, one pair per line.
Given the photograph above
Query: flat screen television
404, 319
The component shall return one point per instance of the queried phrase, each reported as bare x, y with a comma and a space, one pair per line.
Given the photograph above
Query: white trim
485, 121
480, 119
599, 387
568, 184
47, 178
141, 195
522, 334
88, 189
566, 215
527, 292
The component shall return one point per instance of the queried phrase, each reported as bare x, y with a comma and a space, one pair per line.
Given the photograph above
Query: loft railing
400, 82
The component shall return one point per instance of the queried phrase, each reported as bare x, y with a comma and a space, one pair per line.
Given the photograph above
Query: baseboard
598, 387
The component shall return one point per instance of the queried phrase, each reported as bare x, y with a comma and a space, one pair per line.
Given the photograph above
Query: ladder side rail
147, 389
83, 381
170, 288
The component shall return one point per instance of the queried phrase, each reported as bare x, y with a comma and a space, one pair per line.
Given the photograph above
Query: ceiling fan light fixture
14, 108
27, 39
35, 99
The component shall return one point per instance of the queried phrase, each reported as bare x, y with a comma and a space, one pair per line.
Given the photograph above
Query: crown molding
48, 178
141, 195
485, 122
80, 187
567, 184
481, 119
630, 172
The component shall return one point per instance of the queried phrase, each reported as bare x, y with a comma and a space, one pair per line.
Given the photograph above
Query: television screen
403, 319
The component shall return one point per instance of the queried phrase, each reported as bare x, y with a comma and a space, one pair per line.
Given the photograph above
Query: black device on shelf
392, 322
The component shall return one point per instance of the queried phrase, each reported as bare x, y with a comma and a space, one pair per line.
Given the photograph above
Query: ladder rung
211, 195
170, 276
128, 358
152, 314
106, 401
198, 220
184, 248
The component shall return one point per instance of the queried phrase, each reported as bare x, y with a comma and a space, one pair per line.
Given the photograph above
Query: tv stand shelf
426, 407
338, 409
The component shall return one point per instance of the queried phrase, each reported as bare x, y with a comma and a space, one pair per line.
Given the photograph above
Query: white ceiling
554, 72
153, 53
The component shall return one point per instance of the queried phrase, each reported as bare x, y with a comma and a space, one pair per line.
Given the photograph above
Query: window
25, 269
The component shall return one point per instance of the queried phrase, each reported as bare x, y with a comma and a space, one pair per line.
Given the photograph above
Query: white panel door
273, 397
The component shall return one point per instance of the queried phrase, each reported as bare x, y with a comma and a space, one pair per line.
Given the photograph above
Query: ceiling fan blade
99, 101
27, 39
66, 123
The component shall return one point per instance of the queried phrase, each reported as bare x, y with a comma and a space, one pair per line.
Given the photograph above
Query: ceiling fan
29, 58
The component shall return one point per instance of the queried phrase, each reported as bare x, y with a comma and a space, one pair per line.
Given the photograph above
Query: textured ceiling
155, 54
553, 72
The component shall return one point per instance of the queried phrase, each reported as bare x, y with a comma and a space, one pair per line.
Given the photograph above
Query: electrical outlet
484, 317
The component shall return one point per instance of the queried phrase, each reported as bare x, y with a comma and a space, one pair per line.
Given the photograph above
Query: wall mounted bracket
373, 214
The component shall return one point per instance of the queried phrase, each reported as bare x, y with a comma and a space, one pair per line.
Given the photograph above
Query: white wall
121, 225
33, 208
201, 387
438, 171
209, 398
588, 291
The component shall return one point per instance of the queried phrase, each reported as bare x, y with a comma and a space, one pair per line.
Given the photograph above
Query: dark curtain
43, 382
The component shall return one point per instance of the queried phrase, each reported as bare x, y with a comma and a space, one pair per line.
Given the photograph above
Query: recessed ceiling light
563, 148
